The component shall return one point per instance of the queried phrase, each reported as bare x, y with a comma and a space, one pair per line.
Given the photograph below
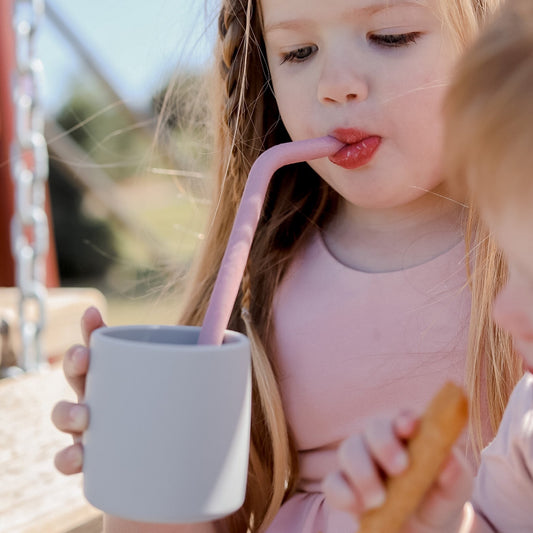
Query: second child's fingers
75, 366
91, 320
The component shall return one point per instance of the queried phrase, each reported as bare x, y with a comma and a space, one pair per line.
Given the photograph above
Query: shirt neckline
431, 263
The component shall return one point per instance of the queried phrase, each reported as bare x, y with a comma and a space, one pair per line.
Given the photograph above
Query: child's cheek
513, 312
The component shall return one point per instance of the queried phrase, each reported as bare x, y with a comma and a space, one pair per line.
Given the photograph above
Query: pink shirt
352, 345
503, 492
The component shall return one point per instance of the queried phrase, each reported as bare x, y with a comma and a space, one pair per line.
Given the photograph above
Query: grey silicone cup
168, 438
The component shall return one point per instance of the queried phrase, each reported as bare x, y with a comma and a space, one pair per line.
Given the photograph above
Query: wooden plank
82, 520
64, 309
34, 497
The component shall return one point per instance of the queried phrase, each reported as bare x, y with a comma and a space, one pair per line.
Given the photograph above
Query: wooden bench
64, 308
34, 497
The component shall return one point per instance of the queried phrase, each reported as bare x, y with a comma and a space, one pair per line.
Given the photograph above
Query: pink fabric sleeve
503, 492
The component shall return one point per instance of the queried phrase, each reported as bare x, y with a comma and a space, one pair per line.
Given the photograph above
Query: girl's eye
299, 55
395, 40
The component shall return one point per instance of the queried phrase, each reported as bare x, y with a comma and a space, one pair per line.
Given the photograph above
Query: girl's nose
340, 82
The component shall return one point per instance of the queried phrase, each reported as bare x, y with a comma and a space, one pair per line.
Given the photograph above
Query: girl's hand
445, 507
70, 417
366, 460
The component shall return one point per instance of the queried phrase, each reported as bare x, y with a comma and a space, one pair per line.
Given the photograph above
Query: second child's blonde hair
489, 110
247, 122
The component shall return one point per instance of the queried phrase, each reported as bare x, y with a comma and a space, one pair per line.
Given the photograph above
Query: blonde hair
488, 113
489, 109
247, 122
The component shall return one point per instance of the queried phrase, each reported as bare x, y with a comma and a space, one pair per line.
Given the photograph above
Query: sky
137, 43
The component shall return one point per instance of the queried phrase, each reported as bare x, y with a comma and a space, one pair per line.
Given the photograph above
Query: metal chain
29, 170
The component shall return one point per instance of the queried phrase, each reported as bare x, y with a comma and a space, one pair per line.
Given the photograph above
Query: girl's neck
385, 240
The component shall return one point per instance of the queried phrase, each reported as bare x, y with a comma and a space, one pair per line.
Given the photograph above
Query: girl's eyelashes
395, 40
299, 54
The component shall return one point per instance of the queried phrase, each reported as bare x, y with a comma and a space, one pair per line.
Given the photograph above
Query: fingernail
75, 457
78, 357
78, 417
405, 422
375, 500
401, 460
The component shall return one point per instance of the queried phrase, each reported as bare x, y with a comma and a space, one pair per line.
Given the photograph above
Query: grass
141, 286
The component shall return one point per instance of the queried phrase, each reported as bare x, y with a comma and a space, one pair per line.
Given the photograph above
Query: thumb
443, 506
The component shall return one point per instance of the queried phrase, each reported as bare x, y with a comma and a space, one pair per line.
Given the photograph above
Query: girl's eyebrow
295, 24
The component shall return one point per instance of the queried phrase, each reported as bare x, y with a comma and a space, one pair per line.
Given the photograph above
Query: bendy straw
238, 248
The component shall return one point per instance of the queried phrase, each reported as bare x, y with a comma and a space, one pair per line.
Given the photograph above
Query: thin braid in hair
267, 388
242, 140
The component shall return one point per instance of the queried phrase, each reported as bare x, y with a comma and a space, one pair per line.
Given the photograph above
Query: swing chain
29, 169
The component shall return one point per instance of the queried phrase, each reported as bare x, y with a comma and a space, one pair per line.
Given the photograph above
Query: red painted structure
7, 64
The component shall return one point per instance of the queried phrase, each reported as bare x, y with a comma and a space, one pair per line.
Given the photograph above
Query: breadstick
440, 426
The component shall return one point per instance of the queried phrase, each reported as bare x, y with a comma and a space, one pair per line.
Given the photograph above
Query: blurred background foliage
129, 192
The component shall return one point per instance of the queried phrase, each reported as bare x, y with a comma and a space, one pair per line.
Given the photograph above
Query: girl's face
513, 307
371, 73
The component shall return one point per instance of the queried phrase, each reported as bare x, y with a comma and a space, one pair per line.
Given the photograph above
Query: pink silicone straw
234, 261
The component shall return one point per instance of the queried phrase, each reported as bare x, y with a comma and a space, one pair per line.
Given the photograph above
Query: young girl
354, 293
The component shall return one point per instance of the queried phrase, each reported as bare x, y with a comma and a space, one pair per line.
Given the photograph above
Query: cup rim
112, 334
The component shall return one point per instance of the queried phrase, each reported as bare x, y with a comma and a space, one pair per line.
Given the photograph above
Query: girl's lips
359, 148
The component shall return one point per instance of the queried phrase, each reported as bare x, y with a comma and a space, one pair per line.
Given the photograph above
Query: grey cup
168, 436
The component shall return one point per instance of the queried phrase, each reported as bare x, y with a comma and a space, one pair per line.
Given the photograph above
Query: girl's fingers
366, 460
70, 460
340, 494
75, 366
360, 470
385, 447
406, 424
76, 360
70, 417
91, 320
456, 479
443, 506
